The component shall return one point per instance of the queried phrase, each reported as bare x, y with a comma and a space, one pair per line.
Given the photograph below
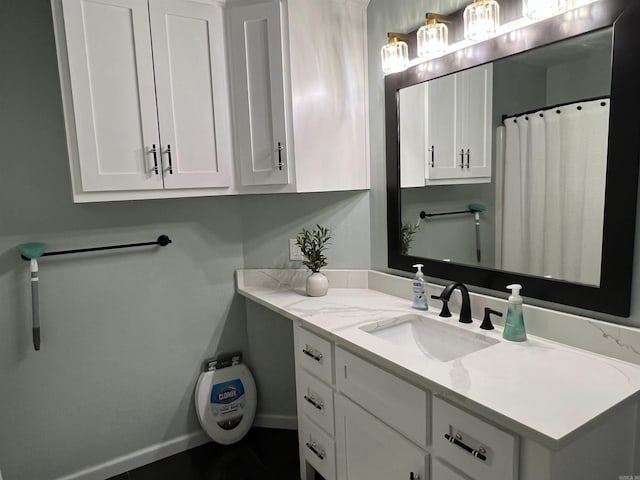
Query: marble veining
615, 339
545, 390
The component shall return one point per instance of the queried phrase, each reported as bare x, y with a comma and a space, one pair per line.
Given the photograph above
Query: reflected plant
407, 231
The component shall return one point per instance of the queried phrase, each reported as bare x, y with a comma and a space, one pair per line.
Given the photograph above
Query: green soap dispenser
514, 325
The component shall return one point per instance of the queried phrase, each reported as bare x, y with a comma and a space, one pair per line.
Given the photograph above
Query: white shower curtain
554, 178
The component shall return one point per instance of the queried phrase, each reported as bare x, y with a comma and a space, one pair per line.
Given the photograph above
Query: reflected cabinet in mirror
517, 160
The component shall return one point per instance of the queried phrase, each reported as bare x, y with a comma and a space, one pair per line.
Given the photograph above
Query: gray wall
454, 236
124, 334
269, 221
586, 78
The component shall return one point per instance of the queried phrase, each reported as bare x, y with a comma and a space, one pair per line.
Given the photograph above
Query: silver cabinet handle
462, 158
314, 402
433, 156
280, 148
170, 161
468, 157
154, 150
457, 440
321, 454
310, 352
414, 476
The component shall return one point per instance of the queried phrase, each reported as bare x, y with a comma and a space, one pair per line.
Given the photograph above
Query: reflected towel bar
424, 214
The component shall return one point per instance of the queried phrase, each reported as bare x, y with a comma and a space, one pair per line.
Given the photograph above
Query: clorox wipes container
226, 398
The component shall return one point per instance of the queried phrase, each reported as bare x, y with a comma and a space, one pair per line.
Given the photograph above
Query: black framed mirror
608, 290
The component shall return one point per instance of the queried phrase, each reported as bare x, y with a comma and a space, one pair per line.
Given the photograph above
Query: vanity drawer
473, 440
317, 448
315, 400
313, 353
399, 404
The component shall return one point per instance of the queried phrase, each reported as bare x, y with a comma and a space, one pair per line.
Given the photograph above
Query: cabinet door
443, 161
476, 92
367, 448
459, 127
413, 117
327, 57
439, 471
258, 94
192, 93
114, 103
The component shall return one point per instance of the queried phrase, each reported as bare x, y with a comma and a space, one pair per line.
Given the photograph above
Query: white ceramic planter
317, 284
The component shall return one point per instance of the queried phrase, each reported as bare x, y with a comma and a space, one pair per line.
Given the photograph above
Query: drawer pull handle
309, 352
414, 476
480, 453
321, 454
314, 402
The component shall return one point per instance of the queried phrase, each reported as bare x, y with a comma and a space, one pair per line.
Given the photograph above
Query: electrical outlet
294, 251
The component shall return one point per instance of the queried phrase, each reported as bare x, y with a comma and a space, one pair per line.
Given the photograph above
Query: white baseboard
141, 457
285, 422
166, 449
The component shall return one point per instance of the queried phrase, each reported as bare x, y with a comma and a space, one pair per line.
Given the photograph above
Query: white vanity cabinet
357, 420
299, 94
145, 97
449, 140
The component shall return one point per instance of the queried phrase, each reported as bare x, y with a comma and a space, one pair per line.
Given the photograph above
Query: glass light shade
539, 9
433, 39
395, 56
481, 19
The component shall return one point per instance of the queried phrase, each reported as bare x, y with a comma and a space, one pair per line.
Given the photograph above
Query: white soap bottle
419, 286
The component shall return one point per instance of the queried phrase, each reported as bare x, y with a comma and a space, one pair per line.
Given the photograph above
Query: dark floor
263, 454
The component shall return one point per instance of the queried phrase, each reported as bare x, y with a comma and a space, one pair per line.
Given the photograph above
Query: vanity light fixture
481, 20
539, 9
395, 54
433, 36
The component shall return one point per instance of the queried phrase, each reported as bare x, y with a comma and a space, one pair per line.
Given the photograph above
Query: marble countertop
542, 389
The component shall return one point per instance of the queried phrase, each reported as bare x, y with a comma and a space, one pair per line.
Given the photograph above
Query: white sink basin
431, 338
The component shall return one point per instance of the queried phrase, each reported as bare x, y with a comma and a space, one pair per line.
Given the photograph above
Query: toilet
226, 398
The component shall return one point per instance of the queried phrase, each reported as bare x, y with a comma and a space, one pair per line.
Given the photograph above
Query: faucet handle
486, 321
445, 306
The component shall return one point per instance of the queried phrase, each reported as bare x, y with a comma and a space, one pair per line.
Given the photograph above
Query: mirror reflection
503, 165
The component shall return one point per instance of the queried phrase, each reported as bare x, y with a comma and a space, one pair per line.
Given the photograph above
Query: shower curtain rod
529, 112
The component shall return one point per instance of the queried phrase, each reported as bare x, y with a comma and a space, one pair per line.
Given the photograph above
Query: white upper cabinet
299, 94
145, 94
111, 69
258, 94
446, 130
191, 87
458, 127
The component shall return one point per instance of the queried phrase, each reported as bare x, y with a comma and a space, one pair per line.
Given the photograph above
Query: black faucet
465, 309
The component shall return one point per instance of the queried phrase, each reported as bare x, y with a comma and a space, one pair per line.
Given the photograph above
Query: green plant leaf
312, 244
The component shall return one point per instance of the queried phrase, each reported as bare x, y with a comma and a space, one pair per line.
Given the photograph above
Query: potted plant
313, 244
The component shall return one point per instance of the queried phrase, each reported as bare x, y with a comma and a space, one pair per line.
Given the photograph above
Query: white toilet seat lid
226, 401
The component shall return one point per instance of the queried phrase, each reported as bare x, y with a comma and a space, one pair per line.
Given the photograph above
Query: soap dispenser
419, 286
514, 325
